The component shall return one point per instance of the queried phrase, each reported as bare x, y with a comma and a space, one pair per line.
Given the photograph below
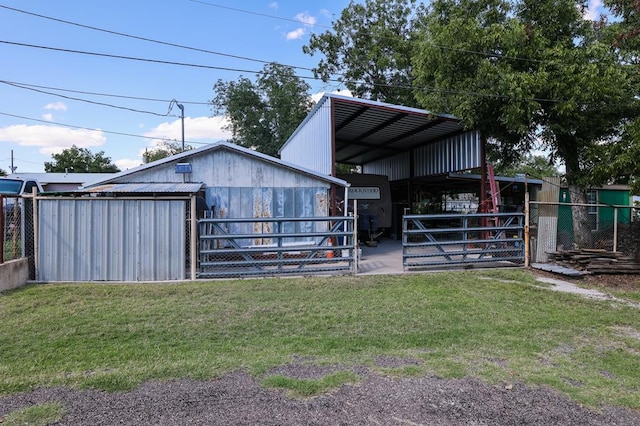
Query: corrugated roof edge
351, 99
212, 147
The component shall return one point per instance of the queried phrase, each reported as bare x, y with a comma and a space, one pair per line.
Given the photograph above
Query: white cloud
295, 34
317, 96
593, 10
306, 19
47, 117
195, 129
326, 13
127, 163
51, 139
57, 106
274, 5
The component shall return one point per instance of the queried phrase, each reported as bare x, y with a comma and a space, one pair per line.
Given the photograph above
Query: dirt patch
620, 282
238, 398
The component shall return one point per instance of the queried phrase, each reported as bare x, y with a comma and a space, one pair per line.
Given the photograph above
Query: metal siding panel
310, 147
111, 240
395, 168
461, 152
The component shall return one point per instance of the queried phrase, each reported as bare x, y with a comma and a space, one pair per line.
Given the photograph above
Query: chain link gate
275, 246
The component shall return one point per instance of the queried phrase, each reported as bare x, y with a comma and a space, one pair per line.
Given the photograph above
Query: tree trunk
580, 214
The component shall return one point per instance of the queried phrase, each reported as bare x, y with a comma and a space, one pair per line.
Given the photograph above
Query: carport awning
146, 188
366, 131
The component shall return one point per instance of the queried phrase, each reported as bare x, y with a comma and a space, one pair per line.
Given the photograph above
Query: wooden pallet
596, 261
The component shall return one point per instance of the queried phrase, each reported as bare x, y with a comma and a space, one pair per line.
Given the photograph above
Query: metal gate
490, 239
276, 246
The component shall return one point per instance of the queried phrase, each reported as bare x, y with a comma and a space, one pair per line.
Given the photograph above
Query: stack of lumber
596, 261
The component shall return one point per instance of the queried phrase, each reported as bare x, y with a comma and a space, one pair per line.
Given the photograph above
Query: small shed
237, 182
138, 224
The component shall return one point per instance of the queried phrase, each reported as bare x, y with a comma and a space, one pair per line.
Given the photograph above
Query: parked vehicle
18, 186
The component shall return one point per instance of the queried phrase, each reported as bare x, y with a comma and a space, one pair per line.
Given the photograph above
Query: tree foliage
527, 73
369, 49
80, 160
534, 166
263, 114
164, 149
3, 172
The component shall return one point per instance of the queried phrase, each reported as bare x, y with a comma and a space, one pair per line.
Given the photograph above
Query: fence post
615, 229
526, 230
1, 230
36, 237
356, 243
194, 230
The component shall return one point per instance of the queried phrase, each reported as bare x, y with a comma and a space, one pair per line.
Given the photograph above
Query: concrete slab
386, 258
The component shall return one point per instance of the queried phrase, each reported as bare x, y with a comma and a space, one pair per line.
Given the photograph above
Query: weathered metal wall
89, 239
395, 168
250, 202
461, 152
228, 169
310, 146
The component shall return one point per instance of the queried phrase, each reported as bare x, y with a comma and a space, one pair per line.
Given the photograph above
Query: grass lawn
496, 325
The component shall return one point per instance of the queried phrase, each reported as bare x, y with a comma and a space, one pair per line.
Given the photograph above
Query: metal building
412, 147
139, 225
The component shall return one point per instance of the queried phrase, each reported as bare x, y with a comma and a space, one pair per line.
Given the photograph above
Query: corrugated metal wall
461, 152
395, 168
310, 146
111, 239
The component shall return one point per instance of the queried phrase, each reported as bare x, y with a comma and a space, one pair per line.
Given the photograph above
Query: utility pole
182, 117
13, 168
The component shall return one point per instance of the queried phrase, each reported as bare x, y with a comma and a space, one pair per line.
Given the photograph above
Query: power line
249, 12
228, 55
26, 85
98, 130
256, 72
130, 58
246, 58
84, 100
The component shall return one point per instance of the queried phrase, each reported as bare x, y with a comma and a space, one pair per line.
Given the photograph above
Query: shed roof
215, 147
366, 131
145, 188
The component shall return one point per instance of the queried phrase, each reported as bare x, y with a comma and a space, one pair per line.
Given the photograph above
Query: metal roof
70, 178
214, 147
146, 188
366, 131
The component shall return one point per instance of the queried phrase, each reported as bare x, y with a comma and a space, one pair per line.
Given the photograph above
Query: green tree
263, 114
617, 160
164, 149
80, 160
525, 73
3, 172
369, 49
535, 166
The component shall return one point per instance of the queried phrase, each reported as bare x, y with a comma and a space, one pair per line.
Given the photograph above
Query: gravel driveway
238, 399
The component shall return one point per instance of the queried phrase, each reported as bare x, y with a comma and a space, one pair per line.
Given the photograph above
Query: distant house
601, 217
56, 182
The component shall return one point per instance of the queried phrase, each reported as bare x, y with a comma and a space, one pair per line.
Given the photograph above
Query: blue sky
35, 124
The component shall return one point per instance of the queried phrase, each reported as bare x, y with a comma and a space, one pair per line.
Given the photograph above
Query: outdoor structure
415, 149
140, 224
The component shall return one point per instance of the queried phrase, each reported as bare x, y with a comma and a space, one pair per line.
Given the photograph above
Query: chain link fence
600, 227
17, 230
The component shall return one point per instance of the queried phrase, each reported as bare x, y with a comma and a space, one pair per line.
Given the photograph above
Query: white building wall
310, 145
